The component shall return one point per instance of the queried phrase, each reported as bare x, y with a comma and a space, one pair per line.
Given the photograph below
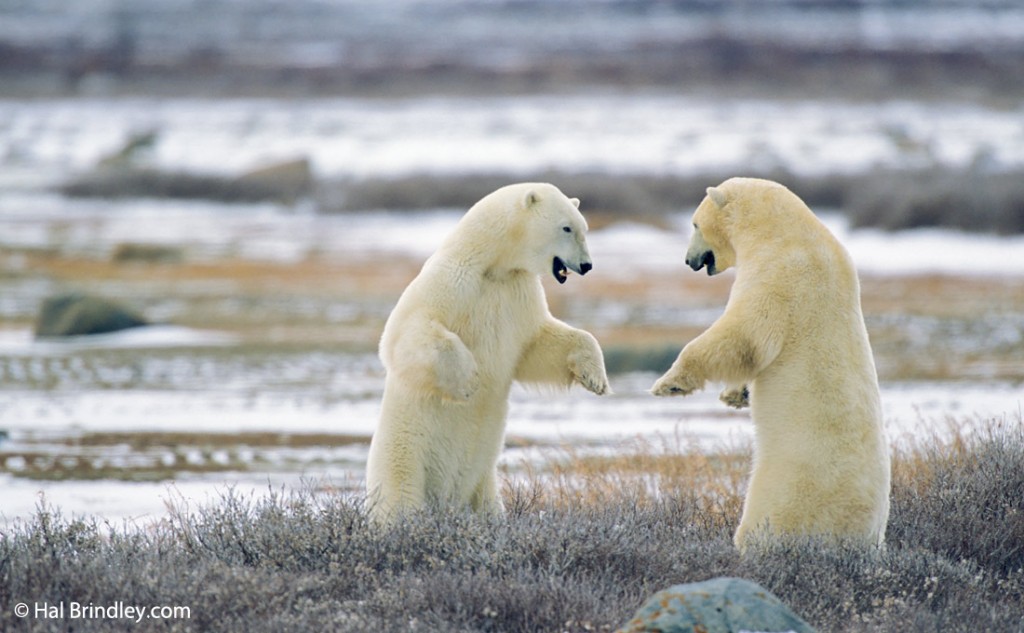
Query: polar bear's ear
717, 196
532, 198
575, 202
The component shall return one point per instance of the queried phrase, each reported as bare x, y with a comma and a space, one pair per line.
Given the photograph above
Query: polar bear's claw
671, 390
599, 386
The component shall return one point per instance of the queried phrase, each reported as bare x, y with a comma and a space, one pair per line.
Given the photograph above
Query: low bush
619, 195
582, 544
153, 183
971, 199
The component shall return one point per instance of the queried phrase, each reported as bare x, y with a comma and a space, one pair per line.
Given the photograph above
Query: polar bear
792, 339
474, 320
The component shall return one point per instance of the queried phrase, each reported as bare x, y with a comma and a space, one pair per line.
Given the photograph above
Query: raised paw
458, 388
588, 369
457, 375
675, 385
736, 397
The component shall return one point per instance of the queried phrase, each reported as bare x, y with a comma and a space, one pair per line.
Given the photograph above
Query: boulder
719, 605
287, 181
74, 314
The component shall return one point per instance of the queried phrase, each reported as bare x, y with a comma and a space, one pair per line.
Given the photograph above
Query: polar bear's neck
477, 267
483, 247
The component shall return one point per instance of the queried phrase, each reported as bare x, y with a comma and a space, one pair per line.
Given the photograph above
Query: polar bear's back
821, 453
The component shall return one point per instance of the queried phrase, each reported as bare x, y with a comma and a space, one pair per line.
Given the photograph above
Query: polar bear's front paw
459, 388
675, 385
588, 370
457, 374
736, 397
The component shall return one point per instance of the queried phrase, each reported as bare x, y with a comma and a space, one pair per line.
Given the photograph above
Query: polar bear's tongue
560, 270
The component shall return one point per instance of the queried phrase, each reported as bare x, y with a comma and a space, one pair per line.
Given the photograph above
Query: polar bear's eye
567, 229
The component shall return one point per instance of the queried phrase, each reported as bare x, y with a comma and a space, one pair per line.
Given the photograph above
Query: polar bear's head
710, 244
526, 227
554, 232
739, 215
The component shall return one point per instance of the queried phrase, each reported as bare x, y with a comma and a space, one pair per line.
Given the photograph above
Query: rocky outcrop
719, 605
286, 182
75, 314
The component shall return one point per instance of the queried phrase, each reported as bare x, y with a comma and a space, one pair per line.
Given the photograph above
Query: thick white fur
792, 331
474, 320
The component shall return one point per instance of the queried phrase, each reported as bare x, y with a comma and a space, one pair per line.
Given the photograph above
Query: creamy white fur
793, 332
474, 320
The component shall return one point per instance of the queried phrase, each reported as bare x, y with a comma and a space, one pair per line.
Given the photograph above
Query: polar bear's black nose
585, 268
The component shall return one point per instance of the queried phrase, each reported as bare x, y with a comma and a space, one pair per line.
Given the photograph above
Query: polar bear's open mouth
560, 270
707, 258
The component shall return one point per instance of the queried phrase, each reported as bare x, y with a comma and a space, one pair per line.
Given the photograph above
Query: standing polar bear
473, 321
793, 332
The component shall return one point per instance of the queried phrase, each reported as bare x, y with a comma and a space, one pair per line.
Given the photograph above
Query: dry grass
648, 474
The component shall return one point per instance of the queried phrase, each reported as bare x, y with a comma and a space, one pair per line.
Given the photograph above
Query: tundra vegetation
584, 541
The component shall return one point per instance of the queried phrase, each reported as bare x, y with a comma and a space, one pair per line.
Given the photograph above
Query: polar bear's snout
699, 254
561, 268
707, 258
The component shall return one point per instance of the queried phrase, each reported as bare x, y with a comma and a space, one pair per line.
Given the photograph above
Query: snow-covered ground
627, 133
39, 220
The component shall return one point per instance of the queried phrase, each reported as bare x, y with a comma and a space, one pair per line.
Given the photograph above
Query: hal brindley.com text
118, 610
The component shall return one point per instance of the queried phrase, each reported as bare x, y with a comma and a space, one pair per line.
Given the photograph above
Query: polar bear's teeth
560, 270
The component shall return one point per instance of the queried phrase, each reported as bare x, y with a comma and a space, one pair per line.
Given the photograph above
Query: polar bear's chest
501, 320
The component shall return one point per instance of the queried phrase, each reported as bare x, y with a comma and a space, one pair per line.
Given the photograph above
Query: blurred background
209, 207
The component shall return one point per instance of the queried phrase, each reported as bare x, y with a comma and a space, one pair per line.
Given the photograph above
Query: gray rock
719, 605
286, 181
74, 314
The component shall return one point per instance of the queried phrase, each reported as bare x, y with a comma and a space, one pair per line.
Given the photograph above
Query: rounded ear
717, 196
575, 202
531, 198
